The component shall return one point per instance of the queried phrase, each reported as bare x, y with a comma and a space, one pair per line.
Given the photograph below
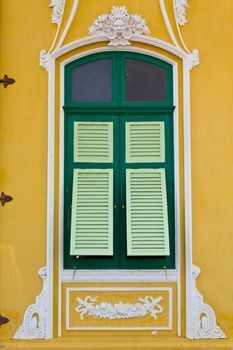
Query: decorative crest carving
119, 26
57, 6
180, 7
34, 321
204, 320
149, 305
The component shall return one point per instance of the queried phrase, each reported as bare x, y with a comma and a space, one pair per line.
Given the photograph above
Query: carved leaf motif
57, 6
180, 7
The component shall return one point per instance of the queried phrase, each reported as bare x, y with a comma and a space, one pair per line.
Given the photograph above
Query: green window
119, 163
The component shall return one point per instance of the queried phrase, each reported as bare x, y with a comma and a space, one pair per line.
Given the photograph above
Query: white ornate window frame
200, 317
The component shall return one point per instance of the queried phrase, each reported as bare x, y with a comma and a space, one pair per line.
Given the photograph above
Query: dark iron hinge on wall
7, 81
5, 198
3, 320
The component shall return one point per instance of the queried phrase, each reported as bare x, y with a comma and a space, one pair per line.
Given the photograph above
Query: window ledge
119, 276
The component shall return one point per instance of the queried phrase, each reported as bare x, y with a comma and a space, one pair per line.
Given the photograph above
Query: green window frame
119, 112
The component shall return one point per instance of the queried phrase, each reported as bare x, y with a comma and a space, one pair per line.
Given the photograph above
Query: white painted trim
50, 201
119, 276
101, 38
177, 191
178, 29
69, 22
118, 289
188, 196
58, 29
167, 22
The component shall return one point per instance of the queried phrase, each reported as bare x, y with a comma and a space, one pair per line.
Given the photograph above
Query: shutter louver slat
92, 212
145, 142
147, 219
93, 142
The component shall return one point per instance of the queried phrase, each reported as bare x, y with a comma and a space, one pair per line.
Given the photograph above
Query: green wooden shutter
92, 212
147, 219
145, 142
93, 142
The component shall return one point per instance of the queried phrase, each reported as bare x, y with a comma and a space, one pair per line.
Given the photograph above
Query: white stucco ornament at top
180, 7
57, 6
119, 26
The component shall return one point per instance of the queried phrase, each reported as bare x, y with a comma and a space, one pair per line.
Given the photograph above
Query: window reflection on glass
92, 82
145, 82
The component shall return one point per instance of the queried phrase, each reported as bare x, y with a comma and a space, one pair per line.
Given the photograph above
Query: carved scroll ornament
34, 321
204, 320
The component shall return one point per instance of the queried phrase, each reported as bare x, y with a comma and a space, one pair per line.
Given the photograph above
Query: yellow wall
25, 28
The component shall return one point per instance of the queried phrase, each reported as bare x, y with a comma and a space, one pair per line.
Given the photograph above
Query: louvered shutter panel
147, 218
93, 142
92, 212
145, 142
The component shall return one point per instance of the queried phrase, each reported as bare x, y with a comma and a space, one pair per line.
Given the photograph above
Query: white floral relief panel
119, 308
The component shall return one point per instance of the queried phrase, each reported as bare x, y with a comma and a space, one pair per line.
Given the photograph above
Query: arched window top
118, 79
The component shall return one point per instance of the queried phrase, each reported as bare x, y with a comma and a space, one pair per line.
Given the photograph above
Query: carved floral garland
149, 305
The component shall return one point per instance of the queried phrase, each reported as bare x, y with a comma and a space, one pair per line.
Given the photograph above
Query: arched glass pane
145, 82
92, 82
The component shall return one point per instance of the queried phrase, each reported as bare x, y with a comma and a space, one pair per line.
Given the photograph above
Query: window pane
92, 82
145, 82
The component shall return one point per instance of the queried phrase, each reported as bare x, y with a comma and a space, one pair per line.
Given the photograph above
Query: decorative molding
204, 320
149, 305
69, 308
180, 7
193, 59
34, 322
167, 22
177, 51
69, 22
119, 276
119, 26
44, 59
58, 7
